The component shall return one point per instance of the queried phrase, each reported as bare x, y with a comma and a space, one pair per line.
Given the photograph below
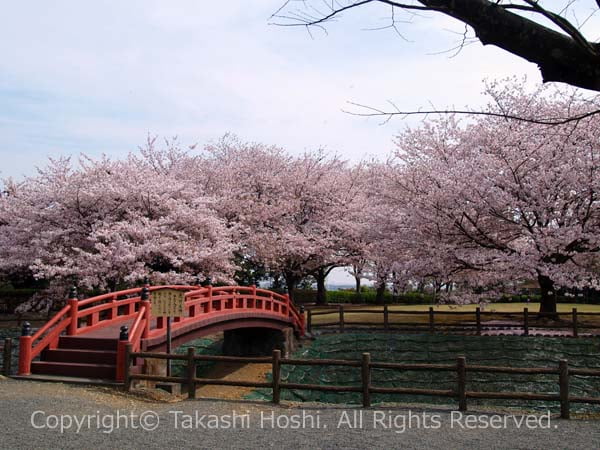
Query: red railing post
121, 353
145, 303
113, 312
192, 309
25, 342
209, 295
73, 311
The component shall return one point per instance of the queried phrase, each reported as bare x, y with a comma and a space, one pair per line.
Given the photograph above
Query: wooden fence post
126, 372
563, 381
478, 319
526, 321
431, 320
461, 372
366, 379
276, 373
386, 320
7, 357
309, 321
191, 372
575, 333
341, 308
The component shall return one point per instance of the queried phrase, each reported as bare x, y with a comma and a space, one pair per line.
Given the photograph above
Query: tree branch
306, 21
564, 25
374, 112
559, 57
568, 58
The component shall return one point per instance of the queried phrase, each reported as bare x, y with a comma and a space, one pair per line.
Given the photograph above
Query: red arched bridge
87, 338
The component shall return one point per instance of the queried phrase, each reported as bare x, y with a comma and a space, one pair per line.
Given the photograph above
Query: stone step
87, 343
79, 355
67, 379
102, 371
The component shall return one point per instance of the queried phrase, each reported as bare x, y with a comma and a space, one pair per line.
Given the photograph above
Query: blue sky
97, 77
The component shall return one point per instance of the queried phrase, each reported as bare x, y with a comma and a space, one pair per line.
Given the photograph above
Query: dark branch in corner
564, 25
565, 56
388, 115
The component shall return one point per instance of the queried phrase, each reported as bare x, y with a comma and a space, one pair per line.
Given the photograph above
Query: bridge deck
111, 330
211, 323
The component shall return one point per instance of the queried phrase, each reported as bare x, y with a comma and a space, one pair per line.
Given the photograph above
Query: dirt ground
237, 372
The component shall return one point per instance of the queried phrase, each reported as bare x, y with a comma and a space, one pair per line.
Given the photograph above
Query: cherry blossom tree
492, 202
292, 214
482, 204
103, 224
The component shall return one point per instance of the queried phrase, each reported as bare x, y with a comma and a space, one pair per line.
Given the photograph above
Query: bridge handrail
51, 322
196, 298
298, 318
109, 296
135, 334
51, 331
212, 301
134, 338
137, 290
92, 313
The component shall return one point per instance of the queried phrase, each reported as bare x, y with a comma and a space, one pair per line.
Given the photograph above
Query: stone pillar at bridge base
258, 341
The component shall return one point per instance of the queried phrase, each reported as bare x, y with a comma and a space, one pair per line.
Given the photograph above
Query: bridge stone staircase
79, 357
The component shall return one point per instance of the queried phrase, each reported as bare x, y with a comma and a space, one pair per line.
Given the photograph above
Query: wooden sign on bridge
168, 303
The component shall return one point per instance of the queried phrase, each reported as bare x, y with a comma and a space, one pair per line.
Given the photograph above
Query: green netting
512, 351
203, 347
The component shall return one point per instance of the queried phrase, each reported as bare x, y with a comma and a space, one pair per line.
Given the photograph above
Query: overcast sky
97, 77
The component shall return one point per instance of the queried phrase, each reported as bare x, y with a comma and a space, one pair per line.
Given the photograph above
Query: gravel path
256, 426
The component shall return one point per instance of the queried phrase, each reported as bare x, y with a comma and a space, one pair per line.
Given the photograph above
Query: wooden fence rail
460, 392
474, 321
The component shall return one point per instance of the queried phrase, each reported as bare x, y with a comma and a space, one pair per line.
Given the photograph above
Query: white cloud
99, 76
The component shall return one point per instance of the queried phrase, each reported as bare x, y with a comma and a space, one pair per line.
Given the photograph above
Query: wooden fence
464, 321
460, 392
6, 348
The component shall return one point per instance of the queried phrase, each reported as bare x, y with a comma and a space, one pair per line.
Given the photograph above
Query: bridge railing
46, 337
212, 301
77, 317
96, 312
83, 316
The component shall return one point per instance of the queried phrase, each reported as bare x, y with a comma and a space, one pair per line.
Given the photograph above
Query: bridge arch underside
254, 336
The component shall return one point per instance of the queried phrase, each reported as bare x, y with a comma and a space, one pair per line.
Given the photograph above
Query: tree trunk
291, 280
379, 300
358, 296
276, 284
320, 276
548, 300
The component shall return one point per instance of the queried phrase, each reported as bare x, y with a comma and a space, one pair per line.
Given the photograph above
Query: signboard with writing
168, 302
